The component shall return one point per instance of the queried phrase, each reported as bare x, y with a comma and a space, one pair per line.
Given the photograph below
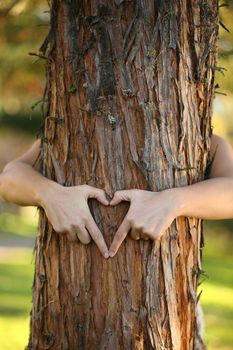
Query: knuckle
59, 229
96, 236
118, 236
86, 240
70, 228
78, 221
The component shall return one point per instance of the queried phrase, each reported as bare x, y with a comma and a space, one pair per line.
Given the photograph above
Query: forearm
22, 185
209, 199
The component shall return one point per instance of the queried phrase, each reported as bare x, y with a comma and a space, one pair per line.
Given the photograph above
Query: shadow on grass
219, 312
7, 311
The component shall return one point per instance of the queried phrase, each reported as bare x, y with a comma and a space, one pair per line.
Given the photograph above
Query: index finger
119, 237
97, 236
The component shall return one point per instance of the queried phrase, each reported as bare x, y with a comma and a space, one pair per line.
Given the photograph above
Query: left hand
149, 215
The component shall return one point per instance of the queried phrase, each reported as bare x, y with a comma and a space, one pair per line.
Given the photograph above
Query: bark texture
130, 88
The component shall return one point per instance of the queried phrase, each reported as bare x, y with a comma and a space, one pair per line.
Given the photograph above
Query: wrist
45, 191
178, 199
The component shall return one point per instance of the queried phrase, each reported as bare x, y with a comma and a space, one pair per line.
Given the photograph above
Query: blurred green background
23, 25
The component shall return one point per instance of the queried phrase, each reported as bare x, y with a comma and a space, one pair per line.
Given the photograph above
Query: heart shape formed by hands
149, 214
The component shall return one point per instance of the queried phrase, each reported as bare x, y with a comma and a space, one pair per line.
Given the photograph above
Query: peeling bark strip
130, 89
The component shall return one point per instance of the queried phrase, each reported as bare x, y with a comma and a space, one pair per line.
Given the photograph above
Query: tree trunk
130, 88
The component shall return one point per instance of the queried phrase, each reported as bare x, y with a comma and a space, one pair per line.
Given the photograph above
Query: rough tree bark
130, 87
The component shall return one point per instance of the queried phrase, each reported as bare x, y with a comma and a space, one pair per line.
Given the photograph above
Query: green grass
16, 275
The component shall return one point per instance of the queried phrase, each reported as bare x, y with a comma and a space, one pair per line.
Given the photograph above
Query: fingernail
106, 255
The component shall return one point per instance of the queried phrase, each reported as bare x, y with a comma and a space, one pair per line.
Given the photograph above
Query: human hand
149, 215
68, 211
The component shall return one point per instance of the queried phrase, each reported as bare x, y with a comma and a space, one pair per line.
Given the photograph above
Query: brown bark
130, 87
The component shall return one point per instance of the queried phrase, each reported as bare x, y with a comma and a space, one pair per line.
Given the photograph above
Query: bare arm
151, 213
66, 207
20, 181
212, 198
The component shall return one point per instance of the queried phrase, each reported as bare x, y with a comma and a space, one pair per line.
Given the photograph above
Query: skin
149, 215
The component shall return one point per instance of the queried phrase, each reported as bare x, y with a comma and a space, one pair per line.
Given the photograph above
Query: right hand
67, 210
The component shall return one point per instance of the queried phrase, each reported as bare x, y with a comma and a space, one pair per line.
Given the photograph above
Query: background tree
130, 89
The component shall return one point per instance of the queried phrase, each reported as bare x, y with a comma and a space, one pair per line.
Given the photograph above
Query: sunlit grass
14, 332
217, 304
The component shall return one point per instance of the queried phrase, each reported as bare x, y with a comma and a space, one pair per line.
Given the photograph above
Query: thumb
98, 194
119, 196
